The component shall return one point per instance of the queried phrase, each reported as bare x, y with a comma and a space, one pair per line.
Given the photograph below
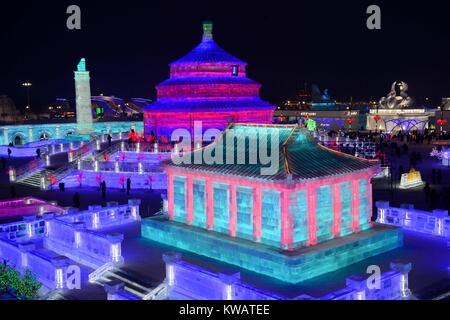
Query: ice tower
207, 85
83, 100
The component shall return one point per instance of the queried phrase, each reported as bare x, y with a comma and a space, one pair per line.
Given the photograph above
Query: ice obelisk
83, 99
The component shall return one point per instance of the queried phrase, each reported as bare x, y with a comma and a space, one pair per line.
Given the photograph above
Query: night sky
129, 44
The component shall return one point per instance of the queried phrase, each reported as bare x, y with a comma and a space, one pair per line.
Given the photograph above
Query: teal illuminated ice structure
270, 199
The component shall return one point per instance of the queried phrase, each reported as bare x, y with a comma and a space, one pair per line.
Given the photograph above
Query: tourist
3, 163
76, 200
38, 152
128, 186
9, 153
103, 185
109, 140
151, 137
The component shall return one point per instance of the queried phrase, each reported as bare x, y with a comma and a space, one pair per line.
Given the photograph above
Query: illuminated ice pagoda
304, 213
207, 85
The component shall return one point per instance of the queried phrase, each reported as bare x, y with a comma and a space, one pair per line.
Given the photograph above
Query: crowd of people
390, 148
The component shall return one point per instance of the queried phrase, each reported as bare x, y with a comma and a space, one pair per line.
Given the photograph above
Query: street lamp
27, 86
441, 122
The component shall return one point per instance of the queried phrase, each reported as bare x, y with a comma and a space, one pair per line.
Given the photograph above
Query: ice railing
184, 277
76, 157
436, 222
159, 293
98, 273
53, 177
20, 173
118, 166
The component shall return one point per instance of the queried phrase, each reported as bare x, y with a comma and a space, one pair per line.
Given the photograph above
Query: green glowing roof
298, 154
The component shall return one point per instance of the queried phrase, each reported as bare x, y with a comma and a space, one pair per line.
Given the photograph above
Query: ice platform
288, 266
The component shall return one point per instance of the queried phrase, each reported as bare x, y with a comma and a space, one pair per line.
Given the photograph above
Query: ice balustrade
116, 291
187, 281
75, 235
74, 150
50, 268
144, 157
85, 149
87, 247
12, 209
98, 273
436, 222
119, 166
30, 228
33, 212
49, 178
144, 180
47, 147
148, 147
356, 147
16, 203
97, 217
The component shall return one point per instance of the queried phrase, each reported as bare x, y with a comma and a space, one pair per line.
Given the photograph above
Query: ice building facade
310, 216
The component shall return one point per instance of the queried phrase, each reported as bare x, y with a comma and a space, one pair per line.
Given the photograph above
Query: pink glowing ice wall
349, 210
207, 85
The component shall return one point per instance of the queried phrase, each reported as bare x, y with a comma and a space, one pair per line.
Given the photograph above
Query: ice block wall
188, 281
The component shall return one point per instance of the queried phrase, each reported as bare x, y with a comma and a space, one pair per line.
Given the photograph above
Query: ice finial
207, 30
82, 65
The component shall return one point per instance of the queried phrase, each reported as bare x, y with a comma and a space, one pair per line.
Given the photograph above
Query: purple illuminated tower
207, 85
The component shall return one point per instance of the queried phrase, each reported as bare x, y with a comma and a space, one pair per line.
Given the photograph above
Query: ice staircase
33, 180
55, 294
133, 283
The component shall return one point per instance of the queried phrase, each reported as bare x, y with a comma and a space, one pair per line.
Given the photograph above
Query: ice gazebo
310, 215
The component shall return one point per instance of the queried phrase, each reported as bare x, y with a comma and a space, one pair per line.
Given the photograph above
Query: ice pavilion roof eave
286, 180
